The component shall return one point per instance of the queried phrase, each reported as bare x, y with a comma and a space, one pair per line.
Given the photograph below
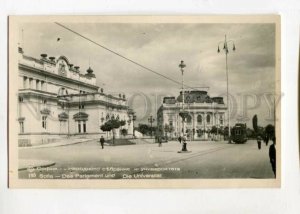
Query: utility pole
226, 51
151, 120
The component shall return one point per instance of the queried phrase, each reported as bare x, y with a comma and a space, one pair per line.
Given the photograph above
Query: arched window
189, 119
221, 119
208, 118
199, 119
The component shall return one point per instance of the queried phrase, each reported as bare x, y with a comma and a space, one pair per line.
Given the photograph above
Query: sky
161, 47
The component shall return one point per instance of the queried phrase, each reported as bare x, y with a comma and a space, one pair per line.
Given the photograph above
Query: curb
35, 166
51, 145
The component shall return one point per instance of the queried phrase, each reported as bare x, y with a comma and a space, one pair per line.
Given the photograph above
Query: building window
30, 83
21, 127
170, 123
221, 120
21, 99
79, 126
81, 106
24, 82
208, 118
199, 119
42, 85
37, 85
189, 119
44, 122
44, 101
84, 126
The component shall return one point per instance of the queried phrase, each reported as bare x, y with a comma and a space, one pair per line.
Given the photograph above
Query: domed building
202, 113
57, 100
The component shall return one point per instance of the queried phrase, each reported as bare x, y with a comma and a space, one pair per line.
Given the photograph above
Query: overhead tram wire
120, 55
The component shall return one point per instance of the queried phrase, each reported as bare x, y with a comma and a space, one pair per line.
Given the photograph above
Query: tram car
239, 133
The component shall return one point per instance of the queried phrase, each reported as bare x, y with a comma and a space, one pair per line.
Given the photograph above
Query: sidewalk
33, 164
63, 142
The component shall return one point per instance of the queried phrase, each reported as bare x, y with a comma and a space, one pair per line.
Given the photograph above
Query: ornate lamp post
226, 51
182, 114
151, 120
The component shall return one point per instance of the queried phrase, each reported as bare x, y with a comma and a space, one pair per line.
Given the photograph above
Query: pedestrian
159, 141
272, 155
259, 142
184, 146
267, 140
102, 141
179, 139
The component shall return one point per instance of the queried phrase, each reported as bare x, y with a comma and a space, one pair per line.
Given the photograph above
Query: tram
239, 133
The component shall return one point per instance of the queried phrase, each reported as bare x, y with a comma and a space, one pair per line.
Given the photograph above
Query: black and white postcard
144, 101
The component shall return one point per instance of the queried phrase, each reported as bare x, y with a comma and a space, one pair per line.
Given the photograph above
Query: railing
186, 106
52, 69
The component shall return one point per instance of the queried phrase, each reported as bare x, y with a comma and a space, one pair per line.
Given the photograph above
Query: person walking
272, 156
184, 146
259, 142
179, 139
159, 139
102, 141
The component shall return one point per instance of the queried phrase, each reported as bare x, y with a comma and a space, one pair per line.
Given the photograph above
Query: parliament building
203, 112
59, 100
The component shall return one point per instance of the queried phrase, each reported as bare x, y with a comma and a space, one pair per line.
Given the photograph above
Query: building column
37, 82
21, 82
194, 124
27, 83
34, 84
205, 124
39, 85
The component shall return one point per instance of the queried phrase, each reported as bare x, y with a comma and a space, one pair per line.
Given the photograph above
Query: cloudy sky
161, 47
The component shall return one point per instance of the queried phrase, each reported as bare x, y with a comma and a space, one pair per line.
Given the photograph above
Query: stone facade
56, 100
203, 112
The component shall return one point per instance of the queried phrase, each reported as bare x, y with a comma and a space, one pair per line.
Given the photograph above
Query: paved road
206, 160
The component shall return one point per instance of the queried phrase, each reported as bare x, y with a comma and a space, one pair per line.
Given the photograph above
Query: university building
203, 112
58, 100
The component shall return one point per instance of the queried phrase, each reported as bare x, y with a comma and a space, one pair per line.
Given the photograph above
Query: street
206, 160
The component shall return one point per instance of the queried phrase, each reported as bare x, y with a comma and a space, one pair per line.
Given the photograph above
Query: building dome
89, 70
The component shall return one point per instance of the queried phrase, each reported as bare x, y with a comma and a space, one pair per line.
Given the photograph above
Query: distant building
204, 112
56, 99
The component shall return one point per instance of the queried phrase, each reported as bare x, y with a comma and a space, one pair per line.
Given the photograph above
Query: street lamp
151, 120
226, 51
182, 114
133, 119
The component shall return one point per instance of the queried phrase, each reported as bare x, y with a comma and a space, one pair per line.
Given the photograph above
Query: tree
124, 132
250, 133
143, 128
269, 131
122, 123
254, 123
214, 130
225, 132
111, 125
